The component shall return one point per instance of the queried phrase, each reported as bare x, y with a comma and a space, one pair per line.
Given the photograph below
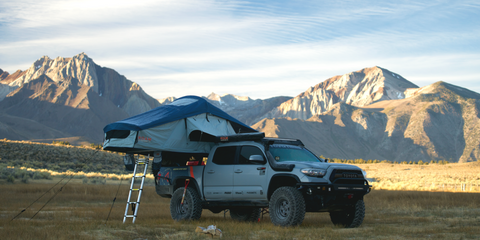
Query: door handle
238, 171
261, 168
211, 171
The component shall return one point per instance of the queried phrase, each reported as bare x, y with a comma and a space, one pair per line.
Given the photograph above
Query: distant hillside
245, 109
59, 158
436, 122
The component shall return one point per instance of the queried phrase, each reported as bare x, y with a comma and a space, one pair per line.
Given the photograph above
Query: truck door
249, 178
218, 174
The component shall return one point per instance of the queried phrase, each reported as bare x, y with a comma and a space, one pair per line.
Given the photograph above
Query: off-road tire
287, 207
191, 208
245, 214
351, 217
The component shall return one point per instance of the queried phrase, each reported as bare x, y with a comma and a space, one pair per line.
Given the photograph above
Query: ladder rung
143, 161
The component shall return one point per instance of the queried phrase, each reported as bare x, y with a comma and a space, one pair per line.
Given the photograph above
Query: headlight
314, 172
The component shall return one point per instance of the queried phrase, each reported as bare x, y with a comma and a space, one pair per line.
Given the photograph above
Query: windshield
284, 153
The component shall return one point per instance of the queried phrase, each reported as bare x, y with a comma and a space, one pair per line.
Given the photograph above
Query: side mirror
256, 158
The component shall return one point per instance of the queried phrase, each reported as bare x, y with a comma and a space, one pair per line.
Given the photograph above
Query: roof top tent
189, 124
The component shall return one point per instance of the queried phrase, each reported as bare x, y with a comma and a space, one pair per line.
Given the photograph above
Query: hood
322, 165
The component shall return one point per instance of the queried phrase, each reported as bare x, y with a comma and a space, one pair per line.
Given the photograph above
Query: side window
248, 151
224, 155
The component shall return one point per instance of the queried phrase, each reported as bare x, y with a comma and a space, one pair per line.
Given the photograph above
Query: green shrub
96, 146
25, 179
11, 179
61, 143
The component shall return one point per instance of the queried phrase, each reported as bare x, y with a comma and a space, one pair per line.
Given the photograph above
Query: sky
259, 49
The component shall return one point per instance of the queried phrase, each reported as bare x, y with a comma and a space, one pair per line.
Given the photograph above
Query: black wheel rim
282, 208
183, 209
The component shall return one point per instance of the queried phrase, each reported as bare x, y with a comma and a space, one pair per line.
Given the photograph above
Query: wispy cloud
255, 48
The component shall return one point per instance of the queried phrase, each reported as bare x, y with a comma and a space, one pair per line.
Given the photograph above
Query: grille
342, 176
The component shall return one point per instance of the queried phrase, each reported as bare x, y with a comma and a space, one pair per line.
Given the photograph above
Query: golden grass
79, 211
433, 177
437, 209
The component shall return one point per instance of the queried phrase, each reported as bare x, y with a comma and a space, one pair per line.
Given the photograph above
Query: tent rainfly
188, 124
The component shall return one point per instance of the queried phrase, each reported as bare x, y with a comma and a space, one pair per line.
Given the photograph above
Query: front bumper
331, 197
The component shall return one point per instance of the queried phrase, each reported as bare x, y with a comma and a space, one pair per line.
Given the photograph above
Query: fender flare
272, 185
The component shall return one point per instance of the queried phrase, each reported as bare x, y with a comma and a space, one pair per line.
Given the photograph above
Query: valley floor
452, 177
80, 211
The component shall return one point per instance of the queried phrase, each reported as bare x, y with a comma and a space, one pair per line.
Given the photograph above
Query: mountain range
372, 113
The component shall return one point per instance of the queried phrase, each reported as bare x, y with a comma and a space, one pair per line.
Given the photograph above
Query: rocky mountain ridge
67, 97
372, 113
436, 122
359, 88
106, 82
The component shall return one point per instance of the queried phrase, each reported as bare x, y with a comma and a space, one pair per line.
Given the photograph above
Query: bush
96, 146
11, 179
25, 179
61, 143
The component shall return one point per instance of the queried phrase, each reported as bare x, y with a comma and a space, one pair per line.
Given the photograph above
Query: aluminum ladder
134, 205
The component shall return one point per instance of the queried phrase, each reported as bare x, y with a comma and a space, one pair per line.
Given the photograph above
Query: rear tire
287, 207
351, 217
245, 214
191, 208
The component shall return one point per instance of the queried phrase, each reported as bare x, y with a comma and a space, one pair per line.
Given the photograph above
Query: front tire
191, 208
350, 217
245, 214
287, 207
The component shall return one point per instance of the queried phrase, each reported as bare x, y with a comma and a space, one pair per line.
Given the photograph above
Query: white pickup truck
248, 173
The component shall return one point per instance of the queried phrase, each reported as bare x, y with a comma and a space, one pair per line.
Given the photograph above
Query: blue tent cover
183, 107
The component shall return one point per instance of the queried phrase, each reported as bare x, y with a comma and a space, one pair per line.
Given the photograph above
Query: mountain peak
442, 89
80, 67
359, 88
213, 96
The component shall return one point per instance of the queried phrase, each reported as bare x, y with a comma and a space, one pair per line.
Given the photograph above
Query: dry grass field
409, 201
452, 177
79, 211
